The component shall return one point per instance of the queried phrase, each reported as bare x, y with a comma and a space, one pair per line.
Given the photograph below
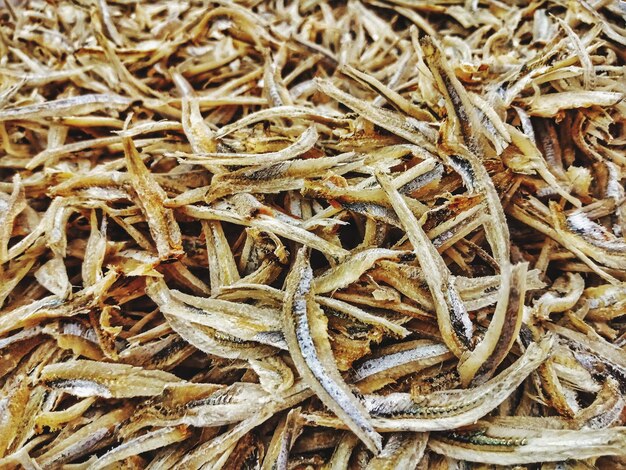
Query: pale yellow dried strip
82, 104
551, 104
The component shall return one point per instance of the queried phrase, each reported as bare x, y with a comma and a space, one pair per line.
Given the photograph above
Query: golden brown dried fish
303, 234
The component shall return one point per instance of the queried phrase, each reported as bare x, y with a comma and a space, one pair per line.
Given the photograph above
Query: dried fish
542, 445
304, 326
551, 104
590, 238
402, 450
393, 362
414, 131
503, 329
454, 323
352, 268
9, 211
566, 292
53, 276
153, 440
91, 378
230, 323
84, 440
151, 197
290, 234
447, 409
95, 251
83, 104
304, 143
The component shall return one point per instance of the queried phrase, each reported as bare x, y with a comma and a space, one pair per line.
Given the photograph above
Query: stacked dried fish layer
303, 234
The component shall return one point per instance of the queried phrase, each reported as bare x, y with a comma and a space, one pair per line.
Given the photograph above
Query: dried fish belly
303, 234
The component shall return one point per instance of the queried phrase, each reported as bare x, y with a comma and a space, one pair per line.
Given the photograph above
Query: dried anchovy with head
290, 234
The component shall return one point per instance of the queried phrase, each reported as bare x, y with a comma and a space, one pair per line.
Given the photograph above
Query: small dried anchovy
289, 234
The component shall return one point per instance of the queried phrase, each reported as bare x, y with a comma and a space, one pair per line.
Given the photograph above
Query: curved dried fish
503, 329
305, 142
454, 323
353, 267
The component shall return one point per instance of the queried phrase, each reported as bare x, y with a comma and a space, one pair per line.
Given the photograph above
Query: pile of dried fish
291, 234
